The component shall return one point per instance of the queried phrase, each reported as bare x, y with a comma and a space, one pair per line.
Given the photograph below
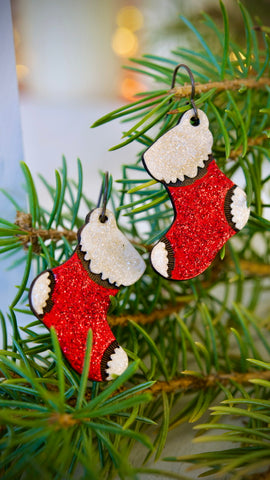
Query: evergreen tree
198, 347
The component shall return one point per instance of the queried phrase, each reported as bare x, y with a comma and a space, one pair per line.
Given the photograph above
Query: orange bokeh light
129, 87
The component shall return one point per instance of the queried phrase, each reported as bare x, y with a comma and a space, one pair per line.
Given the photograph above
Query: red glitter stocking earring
208, 207
75, 296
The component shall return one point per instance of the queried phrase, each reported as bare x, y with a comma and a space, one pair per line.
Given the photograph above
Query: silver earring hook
192, 81
103, 193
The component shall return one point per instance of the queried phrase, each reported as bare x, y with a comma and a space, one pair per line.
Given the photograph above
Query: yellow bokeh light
124, 42
130, 17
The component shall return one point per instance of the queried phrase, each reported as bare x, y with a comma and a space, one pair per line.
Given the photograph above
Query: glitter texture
180, 151
200, 228
109, 251
78, 305
72, 298
239, 210
209, 208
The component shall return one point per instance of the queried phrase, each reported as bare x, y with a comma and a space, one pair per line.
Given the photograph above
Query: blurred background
69, 59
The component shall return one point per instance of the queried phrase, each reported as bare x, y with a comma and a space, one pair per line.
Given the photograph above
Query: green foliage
49, 426
252, 433
199, 347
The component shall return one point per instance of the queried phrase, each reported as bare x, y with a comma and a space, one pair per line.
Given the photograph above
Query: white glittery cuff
40, 292
181, 151
239, 210
109, 251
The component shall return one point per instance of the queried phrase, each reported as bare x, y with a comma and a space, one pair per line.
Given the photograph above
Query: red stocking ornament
208, 207
75, 296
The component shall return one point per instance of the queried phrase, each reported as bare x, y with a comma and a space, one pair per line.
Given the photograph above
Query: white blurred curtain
11, 150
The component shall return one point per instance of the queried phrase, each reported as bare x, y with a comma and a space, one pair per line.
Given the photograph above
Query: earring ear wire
103, 193
192, 81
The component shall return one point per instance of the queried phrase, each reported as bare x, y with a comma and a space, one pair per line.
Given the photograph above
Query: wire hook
192, 81
103, 192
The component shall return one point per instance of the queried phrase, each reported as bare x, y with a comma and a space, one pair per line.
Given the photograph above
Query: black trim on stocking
106, 358
188, 180
96, 277
49, 303
171, 258
227, 208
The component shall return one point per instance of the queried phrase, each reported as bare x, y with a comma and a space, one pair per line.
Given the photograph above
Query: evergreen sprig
199, 347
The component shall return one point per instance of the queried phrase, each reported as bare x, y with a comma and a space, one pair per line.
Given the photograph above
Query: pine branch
31, 236
252, 142
252, 268
145, 319
228, 85
197, 383
191, 383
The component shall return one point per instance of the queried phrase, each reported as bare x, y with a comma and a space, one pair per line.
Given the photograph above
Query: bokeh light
130, 17
129, 87
124, 42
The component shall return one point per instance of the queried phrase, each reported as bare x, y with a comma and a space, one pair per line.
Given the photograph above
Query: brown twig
194, 383
24, 221
258, 476
191, 382
235, 84
252, 268
183, 382
31, 236
145, 319
252, 142
187, 382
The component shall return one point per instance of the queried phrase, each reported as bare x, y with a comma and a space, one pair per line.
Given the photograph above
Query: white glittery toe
109, 251
180, 151
159, 259
118, 363
40, 292
239, 210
